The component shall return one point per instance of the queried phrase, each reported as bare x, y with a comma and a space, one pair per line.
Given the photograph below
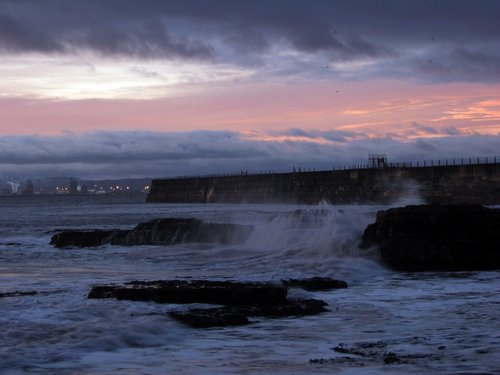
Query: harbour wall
473, 183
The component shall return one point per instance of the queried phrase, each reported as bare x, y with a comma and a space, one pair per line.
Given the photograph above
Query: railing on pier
351, 167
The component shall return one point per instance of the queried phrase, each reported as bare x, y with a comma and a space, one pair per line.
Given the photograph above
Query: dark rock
80, 238
291, 307
315, 283
172, 231
363, 349
437, 237
240, 300
346, 350
18, 294
194, 291
238, 315
205, 318
349, 361
103, 291
390, 358
167, 231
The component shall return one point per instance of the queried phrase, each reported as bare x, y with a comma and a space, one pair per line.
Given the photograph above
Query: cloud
338, 136
424, 128
441, 41
425, 145
292, 132
70, 27
145, 72
452, 131
149, 154
14, 36
461, 64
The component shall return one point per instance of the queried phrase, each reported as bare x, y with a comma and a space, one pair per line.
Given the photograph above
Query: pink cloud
373, 107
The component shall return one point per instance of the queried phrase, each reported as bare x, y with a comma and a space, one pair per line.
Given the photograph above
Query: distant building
29, 190
73, 186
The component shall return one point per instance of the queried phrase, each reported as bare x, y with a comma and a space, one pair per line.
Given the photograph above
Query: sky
151, 88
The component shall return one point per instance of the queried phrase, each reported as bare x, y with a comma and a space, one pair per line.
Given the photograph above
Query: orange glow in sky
361, 107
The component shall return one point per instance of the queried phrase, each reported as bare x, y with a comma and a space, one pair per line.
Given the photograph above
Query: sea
432, 322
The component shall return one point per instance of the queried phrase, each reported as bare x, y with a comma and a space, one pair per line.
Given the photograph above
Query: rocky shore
437, 237
166, 231
459, 237
236, 301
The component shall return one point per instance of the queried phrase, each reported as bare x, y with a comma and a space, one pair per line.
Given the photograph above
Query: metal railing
351, 167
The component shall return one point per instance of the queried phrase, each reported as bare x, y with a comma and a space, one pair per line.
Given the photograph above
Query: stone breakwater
476, 183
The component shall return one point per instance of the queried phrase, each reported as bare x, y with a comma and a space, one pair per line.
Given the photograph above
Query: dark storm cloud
14, 36
123, 147
292, 132
452, 131
341, 136
423, 130
140, 154
425, 145
59, 26
461, 64
426, 129
443, 40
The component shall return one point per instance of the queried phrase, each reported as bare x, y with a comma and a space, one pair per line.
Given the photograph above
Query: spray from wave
411, 194
317, 240
324, 239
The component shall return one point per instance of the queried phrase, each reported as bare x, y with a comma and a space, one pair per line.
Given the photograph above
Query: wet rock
437, 237
194, 291
18, 294
363, 349
390, 358
172, 231
167, 231
346, 350
206, 318
238, 315
291, 307
240, 300
345, 361
315, 283
72, 238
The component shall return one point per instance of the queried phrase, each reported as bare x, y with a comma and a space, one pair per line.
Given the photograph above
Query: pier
471, 180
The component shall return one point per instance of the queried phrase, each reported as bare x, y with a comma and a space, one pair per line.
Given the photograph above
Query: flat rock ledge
239, 300
238, 315
166, 231
459, 237
18, 294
